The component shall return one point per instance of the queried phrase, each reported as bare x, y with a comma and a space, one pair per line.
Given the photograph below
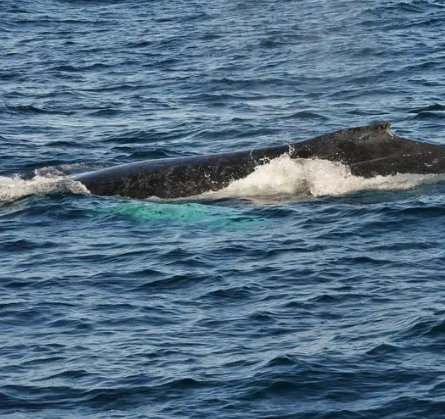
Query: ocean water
297, 292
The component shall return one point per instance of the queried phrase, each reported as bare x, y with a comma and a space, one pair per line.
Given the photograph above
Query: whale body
368, 151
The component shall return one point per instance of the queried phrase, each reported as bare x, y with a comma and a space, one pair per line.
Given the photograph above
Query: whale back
374, 150
369, 151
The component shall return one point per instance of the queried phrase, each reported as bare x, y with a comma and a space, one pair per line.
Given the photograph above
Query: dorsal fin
380, 125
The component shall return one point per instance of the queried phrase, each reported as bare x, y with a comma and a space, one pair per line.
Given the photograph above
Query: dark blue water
263, 302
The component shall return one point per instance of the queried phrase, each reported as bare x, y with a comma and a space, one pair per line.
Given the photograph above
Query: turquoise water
298, 292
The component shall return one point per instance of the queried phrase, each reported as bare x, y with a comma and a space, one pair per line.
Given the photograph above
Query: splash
15, 187
284, 176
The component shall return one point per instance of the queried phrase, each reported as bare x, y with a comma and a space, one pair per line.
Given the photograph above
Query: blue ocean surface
298, 292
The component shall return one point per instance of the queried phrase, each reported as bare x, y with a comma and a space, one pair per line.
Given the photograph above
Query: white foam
284, 176
13, 188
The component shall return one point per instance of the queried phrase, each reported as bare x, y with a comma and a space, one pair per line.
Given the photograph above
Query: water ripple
299, 305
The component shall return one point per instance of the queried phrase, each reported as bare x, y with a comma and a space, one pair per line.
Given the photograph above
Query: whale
368, 151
